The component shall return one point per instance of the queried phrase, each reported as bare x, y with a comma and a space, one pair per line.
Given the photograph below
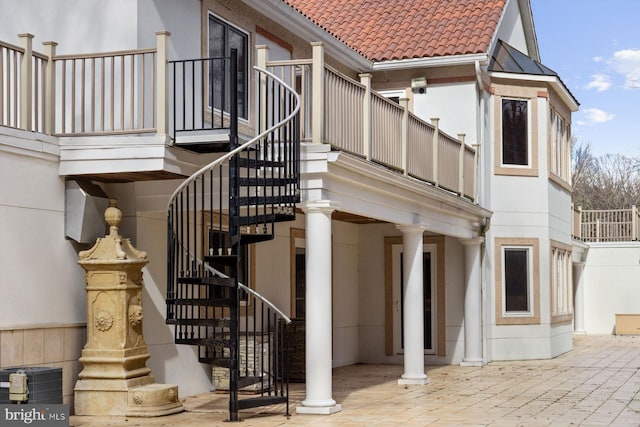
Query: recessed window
560, 146
222, 38
515, 132
561, 283
517, 281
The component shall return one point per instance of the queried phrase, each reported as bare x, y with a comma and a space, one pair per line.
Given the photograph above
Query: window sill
518, 320
524, 171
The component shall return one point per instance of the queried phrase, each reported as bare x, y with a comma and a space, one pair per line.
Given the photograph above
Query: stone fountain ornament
114, 379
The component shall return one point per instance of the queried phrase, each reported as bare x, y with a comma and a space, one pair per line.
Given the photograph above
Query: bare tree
611, 181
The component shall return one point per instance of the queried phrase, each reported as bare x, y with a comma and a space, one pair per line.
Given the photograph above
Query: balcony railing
615, 225
352, 117
89, 94
128, 92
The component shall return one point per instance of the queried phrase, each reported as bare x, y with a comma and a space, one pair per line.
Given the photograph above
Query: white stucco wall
611, 284
443, 102
41, 282
526, 207
79, 26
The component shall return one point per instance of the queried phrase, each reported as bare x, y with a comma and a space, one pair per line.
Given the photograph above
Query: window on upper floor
517, 281
559, 146
515, 132
222, 38
561, 283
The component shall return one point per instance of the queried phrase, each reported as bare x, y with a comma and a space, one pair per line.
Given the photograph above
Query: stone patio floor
596, 384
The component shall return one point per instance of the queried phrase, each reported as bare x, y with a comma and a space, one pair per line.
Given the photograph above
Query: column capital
411, 228
324, 206
474, 241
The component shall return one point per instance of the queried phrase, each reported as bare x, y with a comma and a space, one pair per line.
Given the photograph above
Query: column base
472, 363
414, 381
581, 332
319, 410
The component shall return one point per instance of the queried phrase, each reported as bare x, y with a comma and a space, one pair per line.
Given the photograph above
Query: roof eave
434, 61
304, 28
553, 81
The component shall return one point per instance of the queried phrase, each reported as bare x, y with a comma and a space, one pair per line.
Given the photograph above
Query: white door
429, 295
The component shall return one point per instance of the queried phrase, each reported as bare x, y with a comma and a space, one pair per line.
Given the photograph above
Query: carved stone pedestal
115, 379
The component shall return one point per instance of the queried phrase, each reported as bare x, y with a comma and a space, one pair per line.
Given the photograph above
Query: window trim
528, 131
561, 317
531, 317
530, 94
561, 177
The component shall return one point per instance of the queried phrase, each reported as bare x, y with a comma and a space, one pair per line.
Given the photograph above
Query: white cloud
599, 82
627, 63
598, 59
595, 115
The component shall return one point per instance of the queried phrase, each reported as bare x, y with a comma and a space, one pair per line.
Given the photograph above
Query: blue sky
594, 45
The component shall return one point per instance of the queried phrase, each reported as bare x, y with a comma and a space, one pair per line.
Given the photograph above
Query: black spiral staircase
216, 213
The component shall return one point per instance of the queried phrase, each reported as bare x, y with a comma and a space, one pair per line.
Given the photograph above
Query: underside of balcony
127, 158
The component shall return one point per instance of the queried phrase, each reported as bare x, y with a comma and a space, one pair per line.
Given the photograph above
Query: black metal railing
200, 94
212, 216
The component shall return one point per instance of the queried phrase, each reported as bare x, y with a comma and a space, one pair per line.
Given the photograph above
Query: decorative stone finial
113, 217
113, 247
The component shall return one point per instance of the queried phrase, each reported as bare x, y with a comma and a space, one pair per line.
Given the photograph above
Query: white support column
413, 297
318, 354
472, 303
578, 298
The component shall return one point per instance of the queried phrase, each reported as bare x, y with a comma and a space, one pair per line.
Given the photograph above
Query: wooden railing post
580, 223
261, 62
434, 153
404, 103
365, 79
26, 77
317, 93
634, 223
476, 147
461, 164
50, 88
162, 108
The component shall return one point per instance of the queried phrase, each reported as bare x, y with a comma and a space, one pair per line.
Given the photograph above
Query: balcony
614, 225
122, 116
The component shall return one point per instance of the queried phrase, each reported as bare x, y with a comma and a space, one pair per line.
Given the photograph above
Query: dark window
222, 38
516, 279
515, 143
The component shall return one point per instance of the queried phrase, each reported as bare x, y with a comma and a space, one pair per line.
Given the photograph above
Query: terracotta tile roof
400, 29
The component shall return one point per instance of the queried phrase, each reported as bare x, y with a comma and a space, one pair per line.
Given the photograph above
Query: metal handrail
242, 147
